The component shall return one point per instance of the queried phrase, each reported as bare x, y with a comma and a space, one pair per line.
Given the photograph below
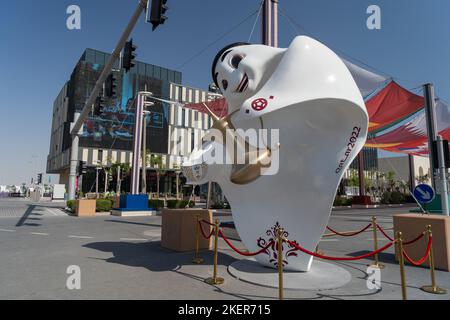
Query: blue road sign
424, 193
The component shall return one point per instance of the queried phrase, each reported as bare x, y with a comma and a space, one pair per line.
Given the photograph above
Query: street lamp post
94, 93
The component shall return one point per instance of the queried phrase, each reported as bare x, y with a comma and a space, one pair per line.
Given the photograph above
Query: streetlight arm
108, 67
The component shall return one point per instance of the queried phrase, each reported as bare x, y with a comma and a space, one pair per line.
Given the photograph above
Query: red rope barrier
296, 246
404, 243
421, 260
384, 233
203, 232
349, 234
207, 222
246, 254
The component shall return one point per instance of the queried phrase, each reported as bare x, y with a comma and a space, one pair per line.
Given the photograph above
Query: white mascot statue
314, 123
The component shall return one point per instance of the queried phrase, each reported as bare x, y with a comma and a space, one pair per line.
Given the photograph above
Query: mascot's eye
225, 84
235, 61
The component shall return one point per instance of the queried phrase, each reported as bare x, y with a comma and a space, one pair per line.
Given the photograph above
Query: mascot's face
238, 71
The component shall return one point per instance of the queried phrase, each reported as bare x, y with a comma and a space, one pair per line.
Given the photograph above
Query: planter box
179, 229
85, 208
411, 225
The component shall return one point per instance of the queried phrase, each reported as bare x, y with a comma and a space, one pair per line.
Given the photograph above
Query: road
122, 259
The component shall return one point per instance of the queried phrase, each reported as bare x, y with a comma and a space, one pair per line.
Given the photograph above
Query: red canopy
219, 107
392, 105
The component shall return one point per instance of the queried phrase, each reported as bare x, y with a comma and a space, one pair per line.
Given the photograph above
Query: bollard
377, 264
280, 233
197, 259
318, 251
433, 288
216, 280
401, 261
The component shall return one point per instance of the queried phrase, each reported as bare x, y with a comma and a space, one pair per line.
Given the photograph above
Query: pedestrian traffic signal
157, 13
129, 56
99, 105
111, 86
82, 168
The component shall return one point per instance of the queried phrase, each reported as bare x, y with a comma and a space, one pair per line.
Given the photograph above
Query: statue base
323, 276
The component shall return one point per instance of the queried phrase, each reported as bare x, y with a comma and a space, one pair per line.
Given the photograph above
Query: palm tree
391, 179
156, 162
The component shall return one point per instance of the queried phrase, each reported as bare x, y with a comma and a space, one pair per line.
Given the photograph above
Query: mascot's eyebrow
225, 54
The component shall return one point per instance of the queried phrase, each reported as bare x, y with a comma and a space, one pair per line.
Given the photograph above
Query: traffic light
111, 86
82, 168
446, 154
39, 178
98, 106
129, 56
158, 9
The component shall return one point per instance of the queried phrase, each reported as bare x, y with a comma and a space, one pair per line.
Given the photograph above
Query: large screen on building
114, 128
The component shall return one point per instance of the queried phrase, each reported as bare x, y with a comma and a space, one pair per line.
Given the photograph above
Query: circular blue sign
424, 193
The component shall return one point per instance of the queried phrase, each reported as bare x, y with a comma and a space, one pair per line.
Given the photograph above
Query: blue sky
38, 53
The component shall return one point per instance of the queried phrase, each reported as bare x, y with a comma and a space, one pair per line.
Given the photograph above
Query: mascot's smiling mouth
243, 85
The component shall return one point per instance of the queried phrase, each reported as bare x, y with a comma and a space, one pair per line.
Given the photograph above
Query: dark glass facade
114, 128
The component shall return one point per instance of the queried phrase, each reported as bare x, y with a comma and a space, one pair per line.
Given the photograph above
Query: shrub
104, 205
395, 197
342, 202
179, 204
71, 205
156, 204
220, 205
386, 198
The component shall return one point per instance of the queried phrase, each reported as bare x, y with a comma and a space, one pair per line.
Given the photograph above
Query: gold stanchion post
402, 265
377, 263
433, 288
280, 233
197, 259
216, 280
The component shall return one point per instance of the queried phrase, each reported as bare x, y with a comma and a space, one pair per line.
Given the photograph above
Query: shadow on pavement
135, 223
26, 216
151, 256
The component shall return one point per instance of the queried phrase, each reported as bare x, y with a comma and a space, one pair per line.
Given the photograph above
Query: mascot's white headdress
308, 94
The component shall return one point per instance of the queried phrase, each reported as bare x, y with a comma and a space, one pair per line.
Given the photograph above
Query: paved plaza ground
121, 258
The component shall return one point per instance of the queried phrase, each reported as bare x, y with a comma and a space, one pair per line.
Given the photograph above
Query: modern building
107, 139
401, 167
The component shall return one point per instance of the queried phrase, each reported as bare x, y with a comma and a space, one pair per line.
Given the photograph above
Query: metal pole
208, 199
96, 181
402, 265
98, 86
270, 23
430, 112
197, 259
433, 288
144, 154
216, 280
442, 181
377, 263
178, 185
73, 163
137, 145
362, 182
118, 180
106, 180
412, 172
